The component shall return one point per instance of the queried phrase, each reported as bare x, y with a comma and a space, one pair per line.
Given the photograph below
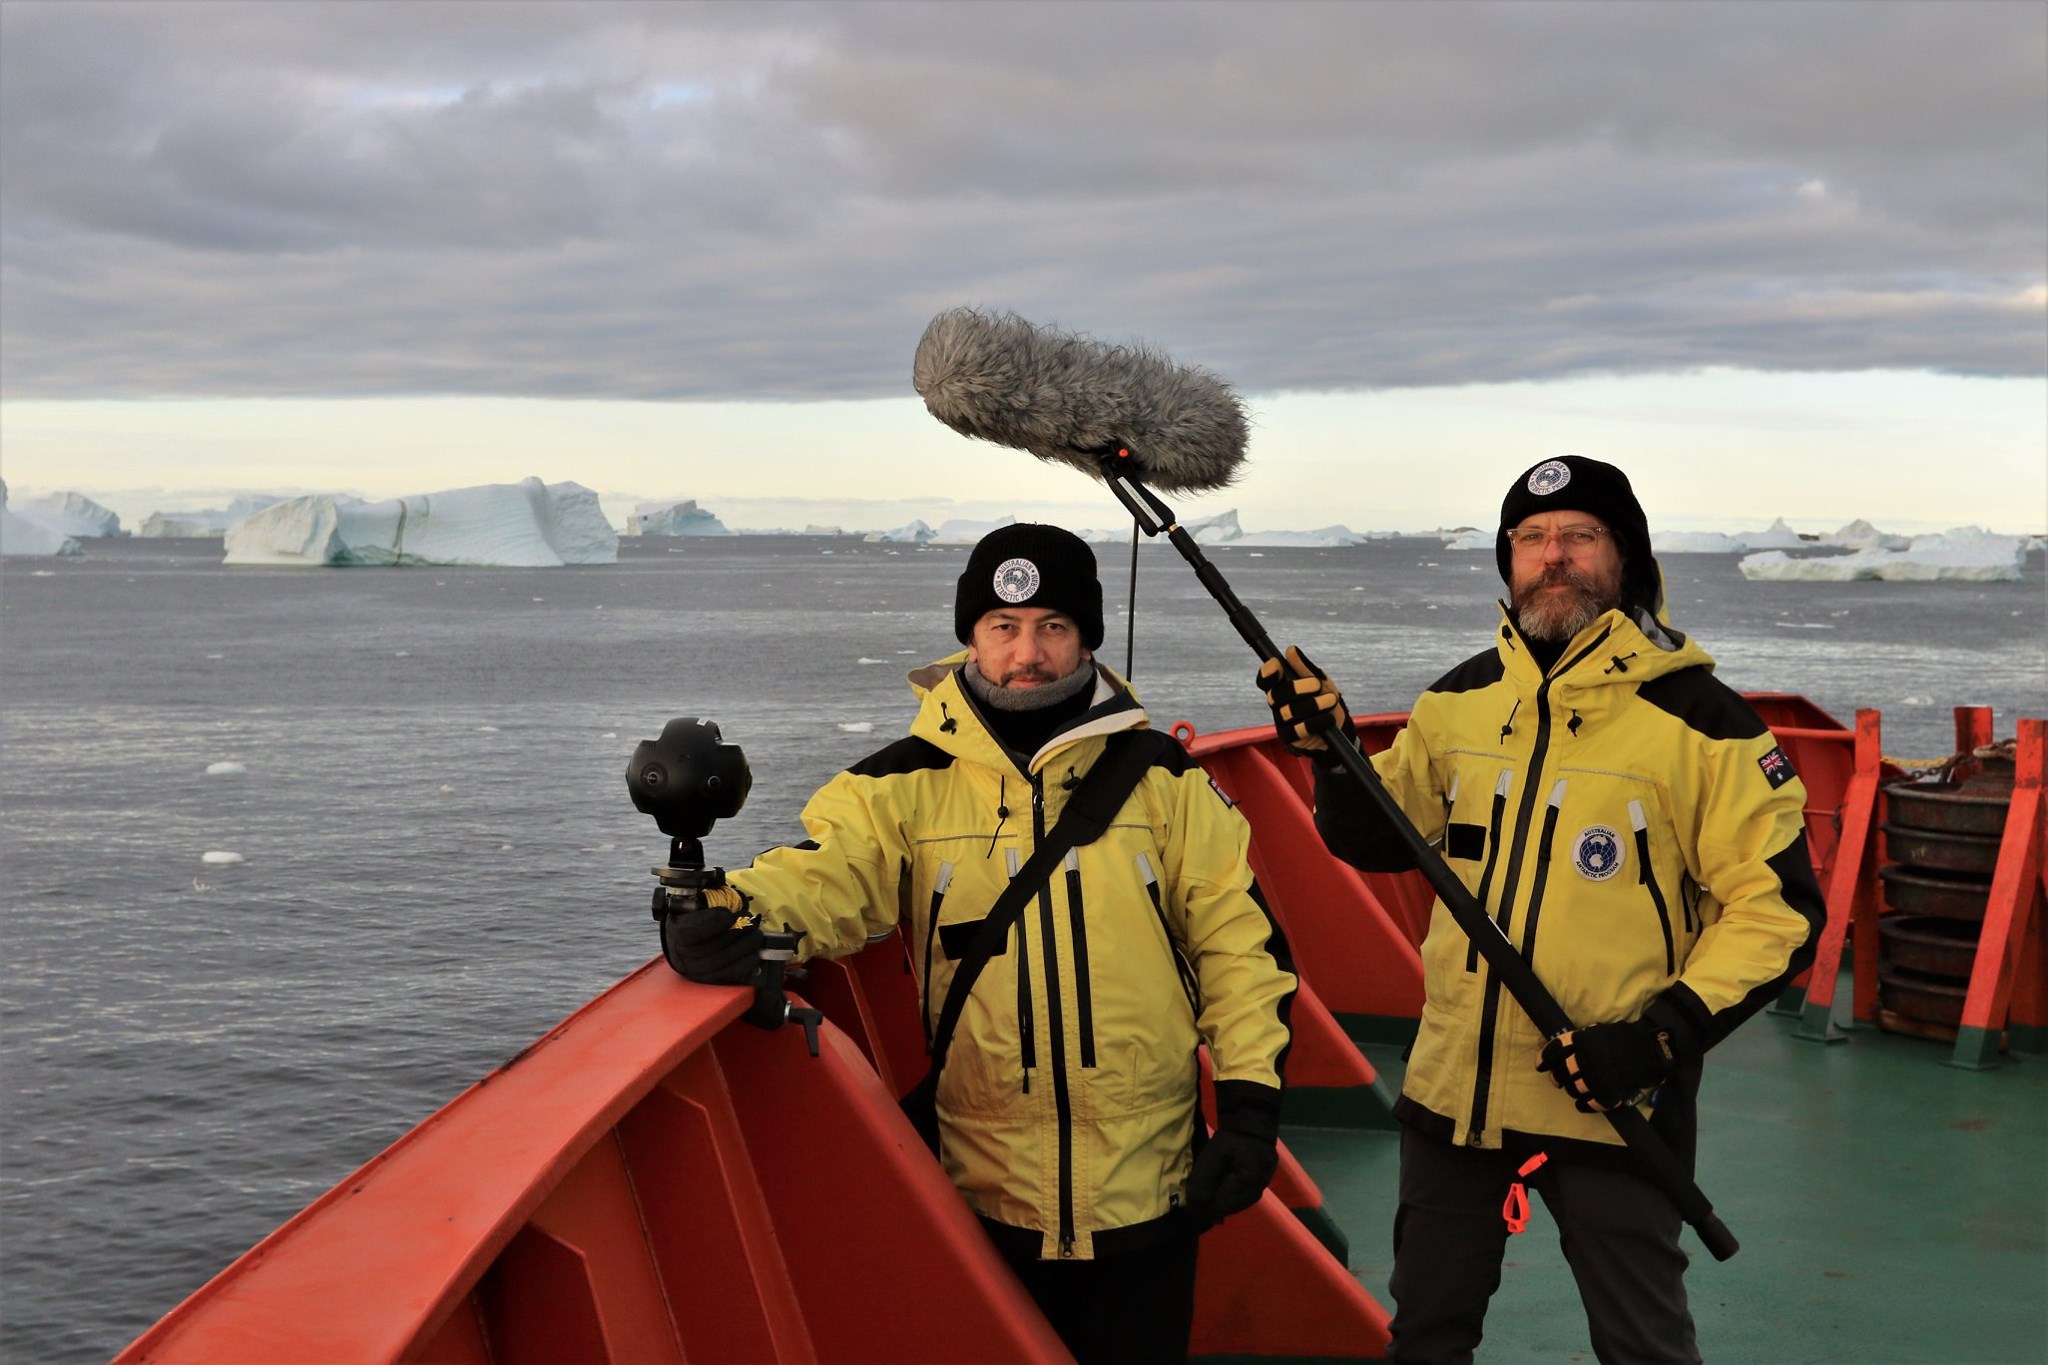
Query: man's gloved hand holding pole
1604, 1066
1237, 1162
711, 947
1306, 704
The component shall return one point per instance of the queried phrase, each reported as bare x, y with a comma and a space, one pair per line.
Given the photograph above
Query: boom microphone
1072, 400
1126, 416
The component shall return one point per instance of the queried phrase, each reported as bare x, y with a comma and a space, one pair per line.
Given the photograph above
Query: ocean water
439, 859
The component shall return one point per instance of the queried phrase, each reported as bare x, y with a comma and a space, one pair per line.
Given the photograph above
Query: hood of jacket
948, 719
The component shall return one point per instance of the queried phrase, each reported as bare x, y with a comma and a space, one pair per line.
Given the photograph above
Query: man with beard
1638, 835
1067, 1113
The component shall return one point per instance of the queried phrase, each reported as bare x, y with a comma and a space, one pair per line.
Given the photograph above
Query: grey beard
1028, 698
1542, 617
1558, 620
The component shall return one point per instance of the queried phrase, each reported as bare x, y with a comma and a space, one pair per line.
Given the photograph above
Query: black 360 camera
689, 780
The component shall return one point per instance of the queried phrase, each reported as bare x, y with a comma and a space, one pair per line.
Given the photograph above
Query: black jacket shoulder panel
1483, 669
1703, 703
907, 755
1164, 750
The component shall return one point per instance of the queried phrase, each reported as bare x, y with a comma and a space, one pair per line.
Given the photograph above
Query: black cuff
1248, 1107
1670, 1015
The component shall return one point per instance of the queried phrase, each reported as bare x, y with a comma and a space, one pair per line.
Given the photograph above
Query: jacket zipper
1543, 852
1648, 878
1027, 1043
1188, 985
1084, 1009
931, 937
1055, 1025
1490, 1001
1500, 806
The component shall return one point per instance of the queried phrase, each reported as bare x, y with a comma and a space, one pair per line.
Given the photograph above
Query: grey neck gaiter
1027, 698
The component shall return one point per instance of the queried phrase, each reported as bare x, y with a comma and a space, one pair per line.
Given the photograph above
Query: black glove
1604, 1066
1306, 704
704, 945
1237, 1162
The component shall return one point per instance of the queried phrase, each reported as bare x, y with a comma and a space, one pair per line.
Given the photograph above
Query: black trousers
1619, 1235
1130, 1308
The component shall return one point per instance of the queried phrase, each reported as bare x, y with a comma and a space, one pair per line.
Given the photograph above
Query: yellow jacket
1632, 827
1067, 1104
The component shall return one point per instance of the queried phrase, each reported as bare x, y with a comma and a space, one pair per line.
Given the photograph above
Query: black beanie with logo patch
1573, 483
1030, 564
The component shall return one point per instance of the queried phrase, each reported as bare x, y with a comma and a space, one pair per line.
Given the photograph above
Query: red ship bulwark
657, 1181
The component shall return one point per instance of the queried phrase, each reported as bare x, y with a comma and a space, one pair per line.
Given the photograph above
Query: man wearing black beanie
1067, 1116
1638, 835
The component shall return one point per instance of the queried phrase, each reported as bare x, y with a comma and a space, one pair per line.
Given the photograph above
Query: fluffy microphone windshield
1070, 399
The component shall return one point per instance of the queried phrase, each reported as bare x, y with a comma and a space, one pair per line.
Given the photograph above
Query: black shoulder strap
1093, 805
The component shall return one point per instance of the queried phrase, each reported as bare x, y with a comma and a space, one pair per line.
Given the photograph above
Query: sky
1775, 260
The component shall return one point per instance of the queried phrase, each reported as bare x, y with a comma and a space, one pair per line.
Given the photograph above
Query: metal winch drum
1943, 838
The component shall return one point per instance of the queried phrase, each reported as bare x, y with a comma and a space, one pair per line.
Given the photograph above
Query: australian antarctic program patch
1548, 477
1016, 580
1597, 853
1777, 768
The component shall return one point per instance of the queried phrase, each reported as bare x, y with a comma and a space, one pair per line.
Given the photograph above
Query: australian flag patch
1777, 768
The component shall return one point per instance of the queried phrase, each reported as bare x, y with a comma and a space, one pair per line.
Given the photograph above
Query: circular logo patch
1016, 580
1548, 477
1596, 853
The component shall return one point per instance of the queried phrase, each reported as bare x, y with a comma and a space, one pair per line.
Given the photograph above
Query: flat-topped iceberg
684, 518
1968, 554
524, 525
71, 514
20, 536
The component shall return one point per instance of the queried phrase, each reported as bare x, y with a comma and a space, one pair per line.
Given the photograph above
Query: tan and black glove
1307, 707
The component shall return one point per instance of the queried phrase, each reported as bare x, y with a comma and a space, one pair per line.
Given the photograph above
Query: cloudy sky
1776, 259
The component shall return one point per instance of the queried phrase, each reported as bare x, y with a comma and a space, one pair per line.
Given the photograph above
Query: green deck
1891, 1208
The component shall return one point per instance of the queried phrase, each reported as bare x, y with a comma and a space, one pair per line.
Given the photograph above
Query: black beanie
1576, 484
1029, 564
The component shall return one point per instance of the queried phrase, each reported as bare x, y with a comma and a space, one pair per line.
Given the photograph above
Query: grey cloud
682, 201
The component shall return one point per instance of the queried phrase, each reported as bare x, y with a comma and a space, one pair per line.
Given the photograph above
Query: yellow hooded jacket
1634, 830
1067, 1105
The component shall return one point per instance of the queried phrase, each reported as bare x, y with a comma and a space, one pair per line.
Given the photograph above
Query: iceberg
1861, 535
20, 536
961, 531
183, 525
1469, 539
72, 514
213, 521
683, 518
1967, 554
1327, 537
527, 525
916, 533
1777, 536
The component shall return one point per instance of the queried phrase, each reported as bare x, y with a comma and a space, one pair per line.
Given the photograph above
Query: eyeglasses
1528, 540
